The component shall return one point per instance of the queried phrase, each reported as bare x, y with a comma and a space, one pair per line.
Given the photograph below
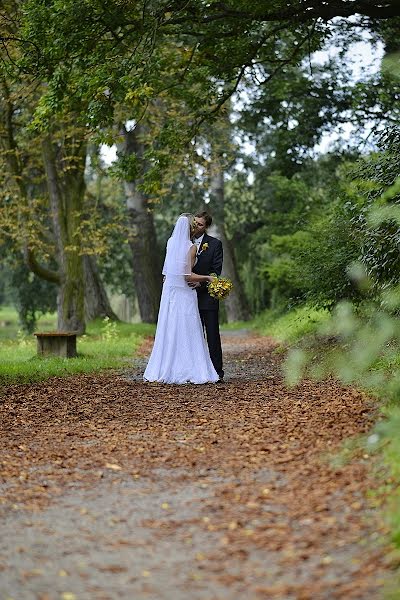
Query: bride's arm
193, 252
194, 278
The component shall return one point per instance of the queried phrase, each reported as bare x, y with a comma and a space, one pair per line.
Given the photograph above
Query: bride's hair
178, 255
190, 218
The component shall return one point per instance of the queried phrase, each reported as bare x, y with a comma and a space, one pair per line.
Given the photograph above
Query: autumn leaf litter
228, 488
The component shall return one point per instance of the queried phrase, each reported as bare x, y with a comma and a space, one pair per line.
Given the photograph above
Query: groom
209, 260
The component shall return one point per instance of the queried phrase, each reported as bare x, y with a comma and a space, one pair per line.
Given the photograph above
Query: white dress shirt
198, 241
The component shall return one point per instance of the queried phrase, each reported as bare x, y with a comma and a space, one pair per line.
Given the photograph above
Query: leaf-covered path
115, 489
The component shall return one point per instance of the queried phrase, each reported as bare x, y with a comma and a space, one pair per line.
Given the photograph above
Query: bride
180, 353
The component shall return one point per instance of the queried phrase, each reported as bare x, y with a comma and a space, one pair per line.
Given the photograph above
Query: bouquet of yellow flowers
220, 288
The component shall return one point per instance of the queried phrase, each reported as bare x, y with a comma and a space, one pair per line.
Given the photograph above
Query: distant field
9, 323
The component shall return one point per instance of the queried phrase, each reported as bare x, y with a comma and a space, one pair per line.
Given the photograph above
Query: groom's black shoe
220, 380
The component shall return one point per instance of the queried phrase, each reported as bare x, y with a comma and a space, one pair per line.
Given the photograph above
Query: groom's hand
194, 284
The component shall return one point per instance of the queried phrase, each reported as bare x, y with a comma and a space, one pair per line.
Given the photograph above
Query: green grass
105, 345
237, 325
385, 441
286, 327
291, 326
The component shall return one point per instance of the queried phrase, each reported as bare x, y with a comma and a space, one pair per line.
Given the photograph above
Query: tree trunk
66, 201
236, 303
70, 299
146, 265
143, 242
96, 300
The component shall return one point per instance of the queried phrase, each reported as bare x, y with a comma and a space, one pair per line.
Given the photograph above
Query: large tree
44, 186
43, 204
99, 57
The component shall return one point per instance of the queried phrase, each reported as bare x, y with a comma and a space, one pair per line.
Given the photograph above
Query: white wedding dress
180, 352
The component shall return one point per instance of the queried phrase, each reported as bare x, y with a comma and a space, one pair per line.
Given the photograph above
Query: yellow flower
204, 246
220, 288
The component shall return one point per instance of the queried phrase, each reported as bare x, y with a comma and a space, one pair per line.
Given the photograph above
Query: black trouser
210, 322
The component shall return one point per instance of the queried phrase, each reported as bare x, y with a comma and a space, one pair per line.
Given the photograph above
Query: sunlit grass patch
387, 436
286, 327
235, 325
292, 325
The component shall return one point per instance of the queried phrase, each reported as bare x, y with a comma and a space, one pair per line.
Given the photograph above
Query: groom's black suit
209, 260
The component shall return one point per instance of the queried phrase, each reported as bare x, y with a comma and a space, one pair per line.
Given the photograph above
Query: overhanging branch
301, 13
40, 270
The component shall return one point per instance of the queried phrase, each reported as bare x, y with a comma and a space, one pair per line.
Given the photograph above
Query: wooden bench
56, 343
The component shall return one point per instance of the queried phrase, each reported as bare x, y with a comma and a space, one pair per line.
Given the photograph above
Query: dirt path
115, 489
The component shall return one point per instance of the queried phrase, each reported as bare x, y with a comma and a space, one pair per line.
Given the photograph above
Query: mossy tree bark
66, 194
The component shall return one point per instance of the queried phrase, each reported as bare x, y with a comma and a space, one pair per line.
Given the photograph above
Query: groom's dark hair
204, 215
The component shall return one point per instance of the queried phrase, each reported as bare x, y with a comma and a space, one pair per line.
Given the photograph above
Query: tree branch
40, 270
302, 13
232, 90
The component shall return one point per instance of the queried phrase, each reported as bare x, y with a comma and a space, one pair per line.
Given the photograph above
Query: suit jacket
209, 260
